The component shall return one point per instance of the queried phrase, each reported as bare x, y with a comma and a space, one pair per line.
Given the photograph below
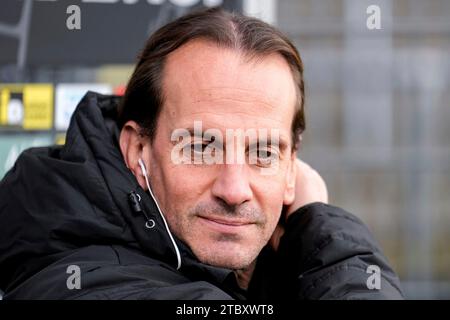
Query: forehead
204, 82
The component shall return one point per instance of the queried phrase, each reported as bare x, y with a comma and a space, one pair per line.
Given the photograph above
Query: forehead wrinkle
214, 107
223, 116
238, 105
227, 91
244, 90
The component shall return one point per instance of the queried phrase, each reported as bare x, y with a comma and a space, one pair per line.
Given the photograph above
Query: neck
243, 276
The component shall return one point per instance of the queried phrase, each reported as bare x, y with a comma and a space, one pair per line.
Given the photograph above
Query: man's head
230, 73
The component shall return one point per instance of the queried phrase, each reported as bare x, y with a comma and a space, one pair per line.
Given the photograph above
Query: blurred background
377, 100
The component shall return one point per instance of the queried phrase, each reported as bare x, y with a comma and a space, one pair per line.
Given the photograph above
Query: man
147, 199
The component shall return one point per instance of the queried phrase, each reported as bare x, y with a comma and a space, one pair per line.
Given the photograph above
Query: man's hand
309, 188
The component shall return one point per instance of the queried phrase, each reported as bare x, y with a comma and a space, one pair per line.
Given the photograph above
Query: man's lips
225, 225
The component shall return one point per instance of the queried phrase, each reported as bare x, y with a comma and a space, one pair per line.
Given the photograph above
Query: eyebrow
193, 132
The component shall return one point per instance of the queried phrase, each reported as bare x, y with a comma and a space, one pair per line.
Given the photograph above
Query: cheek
184, 187
269, 194
186, 182
176, 181
274, 213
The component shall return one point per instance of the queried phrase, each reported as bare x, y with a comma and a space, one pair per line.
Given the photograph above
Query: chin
230, 256
226, 262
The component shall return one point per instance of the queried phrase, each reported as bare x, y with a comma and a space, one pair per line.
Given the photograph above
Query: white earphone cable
177, 251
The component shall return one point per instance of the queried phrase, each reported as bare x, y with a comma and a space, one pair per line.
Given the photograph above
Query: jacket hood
61, 198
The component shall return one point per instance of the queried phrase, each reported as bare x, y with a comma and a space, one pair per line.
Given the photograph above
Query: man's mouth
225, 225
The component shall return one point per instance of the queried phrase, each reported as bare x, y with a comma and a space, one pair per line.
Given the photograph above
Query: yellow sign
29, 106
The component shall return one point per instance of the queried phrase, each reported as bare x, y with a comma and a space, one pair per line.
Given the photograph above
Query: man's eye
265, 157
265, 154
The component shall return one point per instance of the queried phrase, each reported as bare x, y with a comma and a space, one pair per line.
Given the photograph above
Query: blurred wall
378, 117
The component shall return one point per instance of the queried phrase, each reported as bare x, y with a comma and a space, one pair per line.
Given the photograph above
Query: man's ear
291, 174
132, 144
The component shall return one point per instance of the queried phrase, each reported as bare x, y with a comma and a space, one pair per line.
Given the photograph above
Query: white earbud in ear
142, 165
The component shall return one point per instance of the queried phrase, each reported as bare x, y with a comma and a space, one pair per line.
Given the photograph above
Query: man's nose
232, 184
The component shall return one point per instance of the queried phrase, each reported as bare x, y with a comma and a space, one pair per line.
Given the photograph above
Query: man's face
225, 213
